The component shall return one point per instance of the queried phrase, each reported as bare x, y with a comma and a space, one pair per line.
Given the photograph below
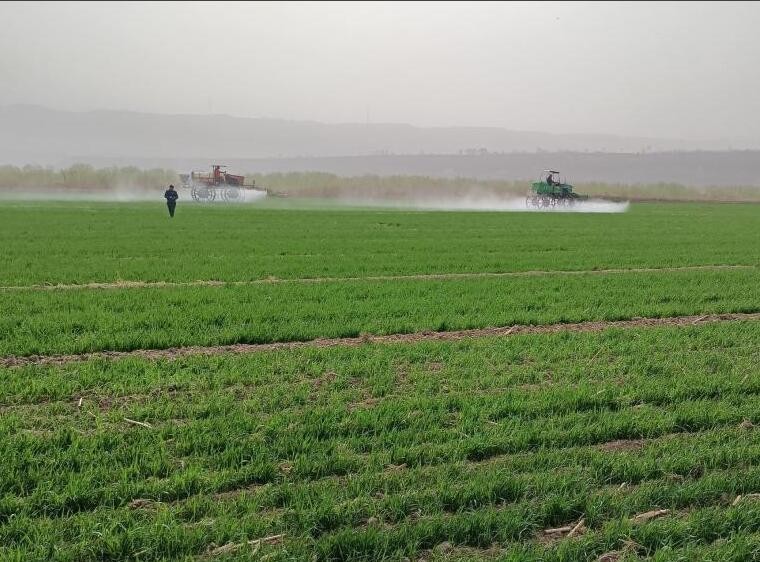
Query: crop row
58, 243
700, 512
386, 451
50, 322
483, 364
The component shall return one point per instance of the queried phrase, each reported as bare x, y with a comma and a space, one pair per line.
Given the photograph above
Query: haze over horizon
710, 143
116, 110
666, 70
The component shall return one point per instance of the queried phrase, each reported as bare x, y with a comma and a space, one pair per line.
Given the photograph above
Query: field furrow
16, 361
134, 284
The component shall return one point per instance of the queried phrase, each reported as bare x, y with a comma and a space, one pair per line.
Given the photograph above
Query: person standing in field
171, 199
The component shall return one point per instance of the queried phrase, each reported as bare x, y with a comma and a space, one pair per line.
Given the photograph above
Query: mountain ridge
31, 133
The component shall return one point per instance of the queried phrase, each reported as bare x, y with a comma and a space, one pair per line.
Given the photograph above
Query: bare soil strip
421, 276
171, 353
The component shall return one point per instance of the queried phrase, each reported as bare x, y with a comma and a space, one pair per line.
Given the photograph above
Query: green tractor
550, 191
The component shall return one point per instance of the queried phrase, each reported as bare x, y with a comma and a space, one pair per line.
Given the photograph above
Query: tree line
326, 185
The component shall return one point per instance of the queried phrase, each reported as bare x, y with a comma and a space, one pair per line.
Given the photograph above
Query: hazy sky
686, 70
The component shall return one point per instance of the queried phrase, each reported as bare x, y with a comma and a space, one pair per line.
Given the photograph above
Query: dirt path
421, 276
170, 353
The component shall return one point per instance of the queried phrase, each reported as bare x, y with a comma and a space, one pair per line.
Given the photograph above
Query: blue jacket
171, 195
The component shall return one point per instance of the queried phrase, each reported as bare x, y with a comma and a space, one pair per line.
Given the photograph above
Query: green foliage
65, 243
74, 321
431, 450
380, 452
83, 242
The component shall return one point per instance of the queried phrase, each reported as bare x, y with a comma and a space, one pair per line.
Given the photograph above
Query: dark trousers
171, 205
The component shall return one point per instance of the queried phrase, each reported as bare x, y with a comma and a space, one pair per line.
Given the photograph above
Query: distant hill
32, 134
36, 135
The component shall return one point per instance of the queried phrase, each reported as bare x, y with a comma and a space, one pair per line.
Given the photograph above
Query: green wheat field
628, 441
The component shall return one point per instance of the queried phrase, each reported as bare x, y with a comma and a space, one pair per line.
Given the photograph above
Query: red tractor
205, 187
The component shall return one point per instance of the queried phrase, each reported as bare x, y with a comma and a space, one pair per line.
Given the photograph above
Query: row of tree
84, 176
321, 185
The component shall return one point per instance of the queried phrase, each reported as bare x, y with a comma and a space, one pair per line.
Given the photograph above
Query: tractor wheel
233, 194
203, 194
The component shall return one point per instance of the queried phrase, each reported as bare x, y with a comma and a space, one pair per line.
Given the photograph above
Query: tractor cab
217, 174
551, 177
